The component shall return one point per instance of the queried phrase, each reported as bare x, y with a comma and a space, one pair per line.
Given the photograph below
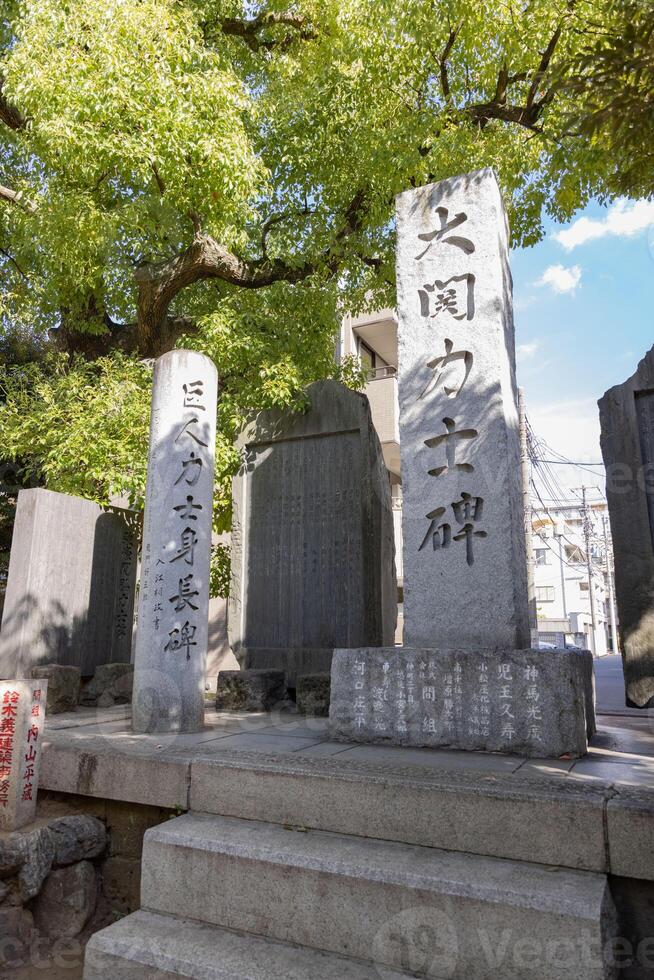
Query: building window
540, 556
583, 587
544, 593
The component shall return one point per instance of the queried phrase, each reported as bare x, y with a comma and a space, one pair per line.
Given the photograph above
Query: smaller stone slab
250, 690
63, 686
524, 702
22, 715
313, 693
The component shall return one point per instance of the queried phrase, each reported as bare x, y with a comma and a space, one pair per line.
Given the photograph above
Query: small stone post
22, 716
171, 640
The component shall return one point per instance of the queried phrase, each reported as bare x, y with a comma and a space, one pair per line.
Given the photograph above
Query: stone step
411, 908
149, 946
500, 814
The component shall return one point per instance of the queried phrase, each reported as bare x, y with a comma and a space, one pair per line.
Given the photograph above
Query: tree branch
15, 197
9, 114
541, 71
251, 30
205, 258
442, 61
10, 258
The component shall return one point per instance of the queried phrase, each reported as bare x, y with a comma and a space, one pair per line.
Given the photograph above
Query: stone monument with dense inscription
312, 538
71, 584
22, 716
627, 440
464, 678
173, 612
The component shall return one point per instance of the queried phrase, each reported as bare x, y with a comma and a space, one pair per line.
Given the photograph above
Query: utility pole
609, 576
558, 534
587, 532
526, 497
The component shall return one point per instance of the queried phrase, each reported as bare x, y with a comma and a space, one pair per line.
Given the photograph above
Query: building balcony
382, 395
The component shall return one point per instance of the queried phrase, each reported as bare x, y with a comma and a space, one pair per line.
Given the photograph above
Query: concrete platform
594, 814
151, 946
349, 896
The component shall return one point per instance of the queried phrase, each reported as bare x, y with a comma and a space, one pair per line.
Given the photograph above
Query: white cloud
562, 279
572, 429
624, 218
524, 351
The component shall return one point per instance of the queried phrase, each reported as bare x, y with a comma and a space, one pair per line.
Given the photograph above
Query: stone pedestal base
250, 690
296, 662
537, 703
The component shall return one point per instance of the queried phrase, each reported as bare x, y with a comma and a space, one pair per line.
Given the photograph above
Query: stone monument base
294, 661
526, 702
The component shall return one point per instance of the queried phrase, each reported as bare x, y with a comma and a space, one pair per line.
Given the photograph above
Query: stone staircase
224, 896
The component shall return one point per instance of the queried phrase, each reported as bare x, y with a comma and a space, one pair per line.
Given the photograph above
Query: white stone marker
465, 579
171, 640
22, 716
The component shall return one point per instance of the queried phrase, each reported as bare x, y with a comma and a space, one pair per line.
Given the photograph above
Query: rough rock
77, 838
39, 851
12, 854
16, 927
111, 684
67, 900
313, 693
63, 686
250, 690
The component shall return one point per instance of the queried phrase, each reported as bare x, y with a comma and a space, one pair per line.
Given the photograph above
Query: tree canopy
221, 174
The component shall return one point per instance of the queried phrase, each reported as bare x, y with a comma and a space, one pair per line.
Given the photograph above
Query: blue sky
584, 314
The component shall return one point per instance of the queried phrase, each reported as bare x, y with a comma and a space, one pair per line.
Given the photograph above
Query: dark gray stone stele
250, 690
400, 696
627, 441
312, 536
70, 587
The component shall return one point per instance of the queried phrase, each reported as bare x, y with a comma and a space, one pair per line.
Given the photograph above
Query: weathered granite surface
70, 588
111, 684
627, 441
465, 572
22, 716
250, 690
313, 694
312, 536
173, 619
527, 702
63, 686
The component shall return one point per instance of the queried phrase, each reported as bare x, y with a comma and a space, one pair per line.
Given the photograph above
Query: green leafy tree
221, 174
611, 80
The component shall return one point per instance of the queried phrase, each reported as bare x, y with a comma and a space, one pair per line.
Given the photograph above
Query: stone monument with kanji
465, 677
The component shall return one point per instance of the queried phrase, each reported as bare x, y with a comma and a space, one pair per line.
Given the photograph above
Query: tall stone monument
22, 717
464, 678
463, 521
312, 538
173, 612
71, 584
627, 441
